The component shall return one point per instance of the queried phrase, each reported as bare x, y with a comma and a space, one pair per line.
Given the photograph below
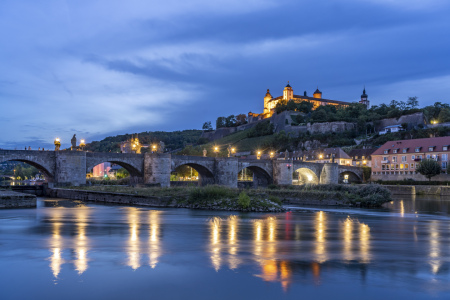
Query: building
326, 155
271, 102
101, 170
361, 157
391, 129
398, 160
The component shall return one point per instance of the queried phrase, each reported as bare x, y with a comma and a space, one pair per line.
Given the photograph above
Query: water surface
74, 250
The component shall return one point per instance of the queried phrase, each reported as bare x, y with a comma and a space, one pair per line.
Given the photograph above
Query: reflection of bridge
70, 167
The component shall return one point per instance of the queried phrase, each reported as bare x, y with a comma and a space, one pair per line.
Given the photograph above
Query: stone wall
412, 119
330, 127
9, 199
439, 190
124, 199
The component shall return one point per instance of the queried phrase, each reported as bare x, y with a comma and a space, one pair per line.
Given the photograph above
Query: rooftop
410, 145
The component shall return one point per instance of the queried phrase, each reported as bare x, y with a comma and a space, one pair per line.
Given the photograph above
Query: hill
172, 140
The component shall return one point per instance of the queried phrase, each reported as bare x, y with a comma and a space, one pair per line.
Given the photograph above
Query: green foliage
172, 140
275, 199
261, 129
429, 168
244, 200
367, 171
122, 173
207, 126
209, 193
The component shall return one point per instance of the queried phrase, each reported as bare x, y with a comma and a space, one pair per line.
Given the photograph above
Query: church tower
364, 99
267, 98
288, 93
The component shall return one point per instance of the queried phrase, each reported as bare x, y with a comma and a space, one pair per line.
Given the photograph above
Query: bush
274, 199
244, 200
209, 193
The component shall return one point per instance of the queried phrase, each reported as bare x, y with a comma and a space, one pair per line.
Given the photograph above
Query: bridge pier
157, 168
329, 174
70, 167
282, 172
226, 171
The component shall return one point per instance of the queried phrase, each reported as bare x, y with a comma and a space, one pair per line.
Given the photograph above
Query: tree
444, 115
220, 122
429, 168
230, 121
412, 102
207, 126
241, 119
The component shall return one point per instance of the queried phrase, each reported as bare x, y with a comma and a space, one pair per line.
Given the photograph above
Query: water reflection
56, 244
348, 238
215, 243
435, 251
233, 242
321, 242
134, 260
82, 246
364, 242
154, 240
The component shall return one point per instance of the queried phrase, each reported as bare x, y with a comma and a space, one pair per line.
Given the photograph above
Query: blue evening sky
107, 67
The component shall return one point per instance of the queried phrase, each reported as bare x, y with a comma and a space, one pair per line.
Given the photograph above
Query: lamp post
57, 143
258, 155
82, 144
216, 150
272, 154
153, 148
233, 151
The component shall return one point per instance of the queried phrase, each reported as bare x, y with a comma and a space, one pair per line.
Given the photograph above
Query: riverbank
10, 199
438, 190
223, 198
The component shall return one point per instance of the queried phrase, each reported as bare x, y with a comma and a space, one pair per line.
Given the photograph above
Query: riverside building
398, 160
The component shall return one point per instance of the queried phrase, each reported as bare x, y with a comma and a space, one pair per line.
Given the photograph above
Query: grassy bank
267, 199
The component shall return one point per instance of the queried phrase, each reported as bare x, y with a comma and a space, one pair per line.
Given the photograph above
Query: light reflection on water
290, 250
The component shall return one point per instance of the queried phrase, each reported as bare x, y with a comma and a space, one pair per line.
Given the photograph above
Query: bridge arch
261, 177
43, 167
305, 175
205, 175
134, 172
348, 176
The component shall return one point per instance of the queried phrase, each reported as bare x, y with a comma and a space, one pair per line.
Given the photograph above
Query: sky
97, 68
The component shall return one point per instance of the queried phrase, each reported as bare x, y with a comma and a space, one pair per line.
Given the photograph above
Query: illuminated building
316, 100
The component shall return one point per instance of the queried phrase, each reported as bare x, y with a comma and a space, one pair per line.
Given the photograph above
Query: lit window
418, 149
431, 148
445, 148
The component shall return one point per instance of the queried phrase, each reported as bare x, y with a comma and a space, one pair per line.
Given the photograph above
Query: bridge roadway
70, 167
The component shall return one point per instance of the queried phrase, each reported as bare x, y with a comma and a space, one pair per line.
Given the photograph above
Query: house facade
361, 157
398, 160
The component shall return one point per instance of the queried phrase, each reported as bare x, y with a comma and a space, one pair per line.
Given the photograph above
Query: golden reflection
215, 243
435, 252
154, 242
133, 242
56, 243
348, 237
402, 209
257, 232
321, 227
234, 261
81, 242
364, 242
285, 275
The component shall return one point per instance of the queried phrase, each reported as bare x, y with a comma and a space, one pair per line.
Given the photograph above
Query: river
73, 250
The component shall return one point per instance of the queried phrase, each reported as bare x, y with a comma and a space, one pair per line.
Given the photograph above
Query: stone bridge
70, 167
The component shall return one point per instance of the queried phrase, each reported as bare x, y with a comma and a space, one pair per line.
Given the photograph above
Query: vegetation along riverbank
222, 198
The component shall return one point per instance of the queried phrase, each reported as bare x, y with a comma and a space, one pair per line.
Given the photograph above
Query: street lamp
272, 154
258, 155
216, 150
82, 144
57, 143
153, 148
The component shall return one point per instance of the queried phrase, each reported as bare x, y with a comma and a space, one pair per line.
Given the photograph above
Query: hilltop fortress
270, 102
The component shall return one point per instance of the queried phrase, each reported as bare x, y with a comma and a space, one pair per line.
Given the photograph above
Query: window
394, 159
404, 158
396, 166
356, 157
405, 150
417, 165
445, 148
406, 167
413, 157
419, 157
431, 148
382, 167
444, 157
444, 165
386, 151
418, 149
428, 156
412, 166
385, 158
402, 166
363, 157
395, 151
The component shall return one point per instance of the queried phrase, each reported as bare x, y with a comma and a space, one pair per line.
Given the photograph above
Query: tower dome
317, 93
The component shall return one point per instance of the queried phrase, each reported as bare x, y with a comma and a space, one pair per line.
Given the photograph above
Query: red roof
410, 145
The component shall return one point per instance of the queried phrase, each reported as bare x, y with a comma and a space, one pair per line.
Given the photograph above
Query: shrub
209, 193
275, 199
244, 200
